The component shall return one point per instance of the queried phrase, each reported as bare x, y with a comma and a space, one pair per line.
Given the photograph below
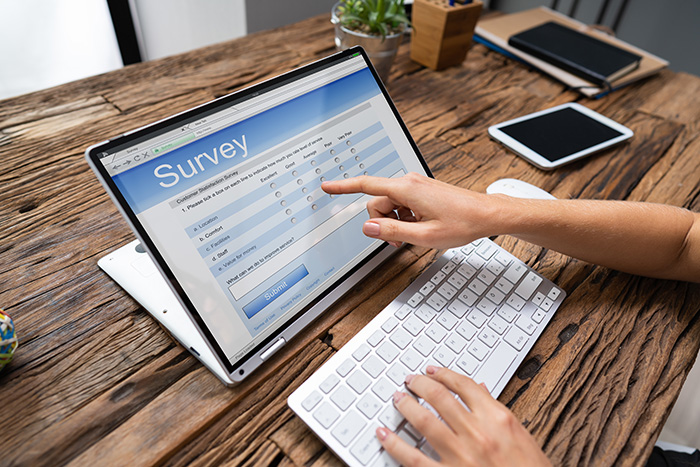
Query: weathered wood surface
96, 381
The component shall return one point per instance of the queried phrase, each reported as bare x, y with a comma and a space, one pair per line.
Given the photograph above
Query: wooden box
442, 34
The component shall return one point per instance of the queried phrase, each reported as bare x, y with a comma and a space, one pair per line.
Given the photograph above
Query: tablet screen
561, 133
230, 195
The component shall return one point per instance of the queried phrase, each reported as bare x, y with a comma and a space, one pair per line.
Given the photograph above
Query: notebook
495, 31
226, 200
580, 54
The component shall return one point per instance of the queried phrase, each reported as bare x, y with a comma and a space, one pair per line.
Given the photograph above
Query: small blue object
8, 339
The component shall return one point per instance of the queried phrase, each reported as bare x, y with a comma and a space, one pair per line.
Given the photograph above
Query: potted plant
376, 25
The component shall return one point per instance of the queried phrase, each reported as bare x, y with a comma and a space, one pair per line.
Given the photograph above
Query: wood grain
96, 380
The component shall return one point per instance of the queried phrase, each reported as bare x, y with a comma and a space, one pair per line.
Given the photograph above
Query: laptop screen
230, 194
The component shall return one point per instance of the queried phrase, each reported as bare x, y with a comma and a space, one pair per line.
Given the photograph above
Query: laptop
226, 201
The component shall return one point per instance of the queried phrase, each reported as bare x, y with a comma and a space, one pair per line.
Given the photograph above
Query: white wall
167, 27
44, 43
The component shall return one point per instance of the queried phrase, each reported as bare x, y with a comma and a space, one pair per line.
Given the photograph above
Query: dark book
580, 54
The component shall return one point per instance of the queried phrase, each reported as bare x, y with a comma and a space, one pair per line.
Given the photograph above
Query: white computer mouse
517, 189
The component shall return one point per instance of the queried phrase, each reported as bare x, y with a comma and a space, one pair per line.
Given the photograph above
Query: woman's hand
486, 435
422, 210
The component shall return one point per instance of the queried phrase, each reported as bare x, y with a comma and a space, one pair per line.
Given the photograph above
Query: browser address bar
277, 99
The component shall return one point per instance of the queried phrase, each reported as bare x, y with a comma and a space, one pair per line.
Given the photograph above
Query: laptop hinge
273, 348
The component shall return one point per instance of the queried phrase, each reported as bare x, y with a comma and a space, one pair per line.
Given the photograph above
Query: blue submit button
271, 294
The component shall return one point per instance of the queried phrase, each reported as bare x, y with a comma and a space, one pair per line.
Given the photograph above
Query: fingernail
431, 370
409, 378
398, 396
382, 433
371, 229
395, 244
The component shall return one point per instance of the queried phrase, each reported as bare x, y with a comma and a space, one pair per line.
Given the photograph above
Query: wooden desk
96, 381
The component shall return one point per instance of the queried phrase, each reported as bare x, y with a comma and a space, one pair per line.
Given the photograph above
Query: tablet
560, 135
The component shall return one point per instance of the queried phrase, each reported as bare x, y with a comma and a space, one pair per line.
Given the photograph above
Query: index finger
375, 186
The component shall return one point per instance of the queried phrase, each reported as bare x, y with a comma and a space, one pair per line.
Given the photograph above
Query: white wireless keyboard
477, 310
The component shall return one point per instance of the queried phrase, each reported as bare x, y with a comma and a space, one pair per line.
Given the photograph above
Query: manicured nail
371, 229
395, 244
382, 433
409, 378
431, 370
398, 396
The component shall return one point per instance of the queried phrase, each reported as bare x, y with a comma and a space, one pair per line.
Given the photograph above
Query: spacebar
496, 366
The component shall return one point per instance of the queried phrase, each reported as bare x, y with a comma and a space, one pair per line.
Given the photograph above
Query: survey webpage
239, 214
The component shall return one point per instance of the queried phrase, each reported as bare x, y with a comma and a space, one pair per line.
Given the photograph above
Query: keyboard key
413, 431
427, 363
486, 277
478, 349
457, 308
436, 301
516, 302
526, 324
358, 381
458, 257
415, 299
486, 306
411, 359
361, 352
498, 324
390, 324
528, 285
397, 373
503, 285
438, 277
447, 320
491, 373
401, 338
424, 345
414, 325
345, 367
515, 271
495, 295
486, 250
448, 268
537, 299
455, 342
348, 428
477, 287
311, 400
494, 267
466, 330
467, 250
447, 291
488, 336
456, 280
369, 406
477, 318
373, 366
507, 313
468, 297
436, 332
554, 293
516, 338
329, 383
385, 460
468, 364
476, 261
503, 258
427, 288
407, 438
391, 418
343, 398
326, 415
387, 352
538, 316
384, 389
444, 356
429, 451
376, 337
366, 446
547, 304
426, 313
404, 311
466, 270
